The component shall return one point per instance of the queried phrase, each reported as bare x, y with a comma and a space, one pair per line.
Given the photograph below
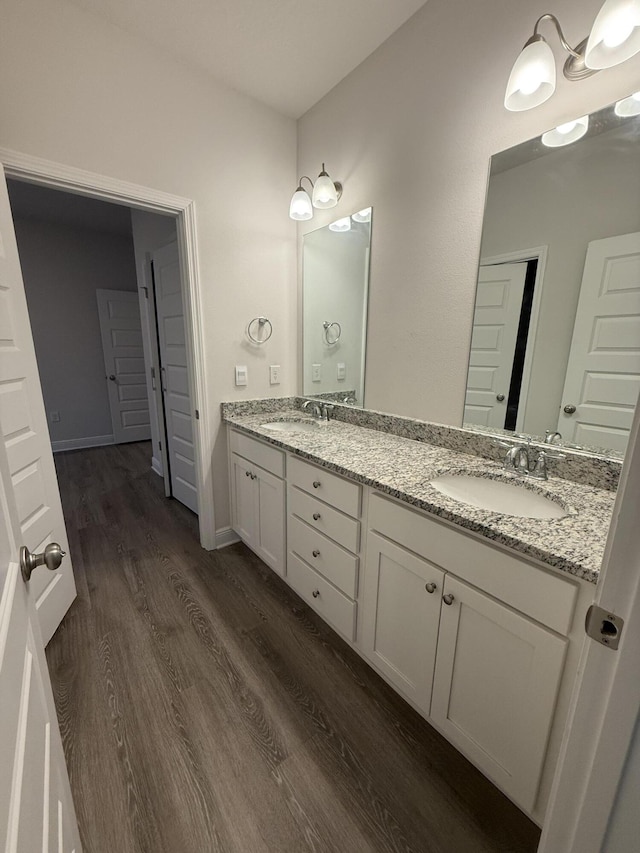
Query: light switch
316, 373
274, 374
55, 417
341, 370
241, 374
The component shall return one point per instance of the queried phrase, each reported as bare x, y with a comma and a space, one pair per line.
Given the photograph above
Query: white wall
62, 267
410, 131
77, 90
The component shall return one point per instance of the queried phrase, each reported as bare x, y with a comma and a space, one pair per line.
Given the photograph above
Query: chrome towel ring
332, 337
262, 323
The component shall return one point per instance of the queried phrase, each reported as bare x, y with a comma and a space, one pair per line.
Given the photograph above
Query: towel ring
327, 326
262, 322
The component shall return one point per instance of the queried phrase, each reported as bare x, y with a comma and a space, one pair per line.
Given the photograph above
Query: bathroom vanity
474, 617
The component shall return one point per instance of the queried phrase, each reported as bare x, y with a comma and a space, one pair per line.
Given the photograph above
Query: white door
493, 342
121, 331
23, 426
603, 375
174, 375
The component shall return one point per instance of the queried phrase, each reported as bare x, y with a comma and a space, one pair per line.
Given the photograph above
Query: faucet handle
499, 442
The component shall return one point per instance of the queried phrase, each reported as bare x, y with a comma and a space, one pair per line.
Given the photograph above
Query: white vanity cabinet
258, 498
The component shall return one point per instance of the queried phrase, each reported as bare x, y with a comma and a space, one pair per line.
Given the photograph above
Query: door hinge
146, 291
603, 626
197, 415
153, 378
160, 445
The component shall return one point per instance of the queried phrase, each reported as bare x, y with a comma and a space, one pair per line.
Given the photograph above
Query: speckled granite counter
403, 468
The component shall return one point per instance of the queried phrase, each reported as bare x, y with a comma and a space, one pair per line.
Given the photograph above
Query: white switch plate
274, 374
241, 374
341, 370
54, 417
316, 373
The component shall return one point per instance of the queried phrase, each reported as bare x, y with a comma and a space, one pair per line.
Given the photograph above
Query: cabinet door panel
495, 688
269, 538
400, 621
243, 500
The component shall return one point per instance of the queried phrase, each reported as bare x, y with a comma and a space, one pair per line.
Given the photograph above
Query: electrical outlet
242, 374
54, 417
274, 374
316, 373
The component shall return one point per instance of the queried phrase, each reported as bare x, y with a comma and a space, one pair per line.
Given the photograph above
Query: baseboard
226, 536
81, 443
156, 466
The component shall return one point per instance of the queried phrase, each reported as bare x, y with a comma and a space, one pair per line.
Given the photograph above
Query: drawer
338, 610
543, 596
330, 560
269, 458
337, 526
340, 493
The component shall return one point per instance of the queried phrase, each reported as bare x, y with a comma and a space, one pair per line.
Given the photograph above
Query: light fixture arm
305, 177
565, 44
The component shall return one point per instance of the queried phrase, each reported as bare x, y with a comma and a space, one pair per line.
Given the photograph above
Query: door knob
448, 598
112, 377
500, 398
569, 409
430, 587
51, 557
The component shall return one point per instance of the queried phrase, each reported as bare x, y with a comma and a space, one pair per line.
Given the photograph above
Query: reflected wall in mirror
556, 335
335, 285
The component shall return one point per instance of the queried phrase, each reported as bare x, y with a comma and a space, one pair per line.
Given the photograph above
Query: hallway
203, 707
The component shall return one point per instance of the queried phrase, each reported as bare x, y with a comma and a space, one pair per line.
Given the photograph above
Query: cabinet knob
316, 593
430, 587
254, 476
316, 516
316, 553
316, 484
247, 473
448, 598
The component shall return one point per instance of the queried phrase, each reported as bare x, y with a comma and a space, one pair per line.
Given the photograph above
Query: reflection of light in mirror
343, 224
362, 215
615, 35
566, 133
629, 106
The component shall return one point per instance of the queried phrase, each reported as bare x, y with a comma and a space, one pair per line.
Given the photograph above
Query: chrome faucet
320, 411
527, 460
552, 437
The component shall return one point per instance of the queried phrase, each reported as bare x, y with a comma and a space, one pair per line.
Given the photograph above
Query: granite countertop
403, 468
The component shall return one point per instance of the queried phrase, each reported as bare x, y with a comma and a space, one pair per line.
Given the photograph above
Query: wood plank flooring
204, 707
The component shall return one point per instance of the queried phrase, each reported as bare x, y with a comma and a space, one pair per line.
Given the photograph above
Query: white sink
291, 426
500, 496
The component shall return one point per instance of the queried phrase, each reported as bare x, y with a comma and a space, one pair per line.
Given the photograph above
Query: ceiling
286, 53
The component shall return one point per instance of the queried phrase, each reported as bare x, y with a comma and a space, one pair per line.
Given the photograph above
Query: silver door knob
430, 587
112, 377
51, 557
569, 409
448, 598
500, 398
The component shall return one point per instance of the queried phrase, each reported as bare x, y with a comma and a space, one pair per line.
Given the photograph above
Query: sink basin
291, 426
500, 496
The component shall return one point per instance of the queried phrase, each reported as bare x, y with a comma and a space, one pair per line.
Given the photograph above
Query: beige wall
76, 90
410, 131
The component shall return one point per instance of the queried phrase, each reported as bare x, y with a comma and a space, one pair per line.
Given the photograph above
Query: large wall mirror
335, 283
556, 333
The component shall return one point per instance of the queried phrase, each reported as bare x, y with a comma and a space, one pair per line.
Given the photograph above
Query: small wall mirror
556, 334
335, 284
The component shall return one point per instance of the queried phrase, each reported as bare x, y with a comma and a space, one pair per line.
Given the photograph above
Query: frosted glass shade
533, 77
629, 106
615, 35
362, 215
300, 207
567, 133
343, 224
324, 192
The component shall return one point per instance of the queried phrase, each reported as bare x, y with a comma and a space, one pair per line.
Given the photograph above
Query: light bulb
533, 76
618, 29
362, 215
566, 133
566, 128
325, 194
300, 207
343, 224
628, 106
615, 35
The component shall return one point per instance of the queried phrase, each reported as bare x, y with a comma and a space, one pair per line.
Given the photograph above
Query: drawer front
334, 490
269, 458
337, 526
338, 610
543, 596
330, 560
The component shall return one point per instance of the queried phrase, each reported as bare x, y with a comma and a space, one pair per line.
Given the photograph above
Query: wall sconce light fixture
324, 194
615, 37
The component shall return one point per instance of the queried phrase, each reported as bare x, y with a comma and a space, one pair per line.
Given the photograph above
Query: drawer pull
316, 484
316, 553
316, 593
448, 598
430, 587
316, 516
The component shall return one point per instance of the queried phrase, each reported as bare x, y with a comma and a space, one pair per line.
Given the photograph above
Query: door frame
36, 170
539, 254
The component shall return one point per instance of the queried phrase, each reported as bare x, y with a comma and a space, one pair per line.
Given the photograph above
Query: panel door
401, 614
495, 688
121, 332
603, 374
178, 412
243, 500
25, 435
493, 342
270, 526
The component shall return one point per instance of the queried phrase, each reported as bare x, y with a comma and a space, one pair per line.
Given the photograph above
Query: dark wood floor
204, 707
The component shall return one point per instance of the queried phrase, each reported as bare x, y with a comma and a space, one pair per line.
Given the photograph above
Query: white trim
156, 466
80, 443
35, 170
226, 536
538, 253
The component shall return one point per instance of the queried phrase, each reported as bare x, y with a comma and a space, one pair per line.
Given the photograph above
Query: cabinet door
243, 500
270, 513
495, 688
401, 616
